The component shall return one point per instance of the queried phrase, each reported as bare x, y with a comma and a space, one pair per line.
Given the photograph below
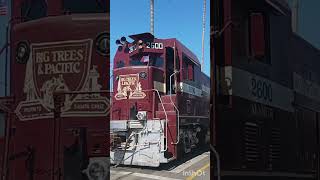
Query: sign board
64, 67
247, 85
129, 86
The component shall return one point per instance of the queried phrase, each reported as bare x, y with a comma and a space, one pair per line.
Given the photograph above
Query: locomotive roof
188, 52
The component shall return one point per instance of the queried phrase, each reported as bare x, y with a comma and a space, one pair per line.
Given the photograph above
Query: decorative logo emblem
129, 87
61, 66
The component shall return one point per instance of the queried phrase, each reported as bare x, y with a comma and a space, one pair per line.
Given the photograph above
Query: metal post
58, 99
8, 107
295, 16
6, 64
152, 17
6, 151
318, 147
203, 32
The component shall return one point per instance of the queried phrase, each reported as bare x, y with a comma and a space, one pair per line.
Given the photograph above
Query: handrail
178, 113
7, 137
165, 113
5, 46
215, 152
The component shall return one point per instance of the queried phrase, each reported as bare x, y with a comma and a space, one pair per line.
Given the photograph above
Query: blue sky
181, 19
3, 23
309, 26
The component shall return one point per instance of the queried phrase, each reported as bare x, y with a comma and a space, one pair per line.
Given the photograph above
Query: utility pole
152, 17
6, 61
295, 15
203, 33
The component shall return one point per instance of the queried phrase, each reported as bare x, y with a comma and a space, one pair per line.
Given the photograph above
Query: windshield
147, 60
137, 62
31, 10
157, 62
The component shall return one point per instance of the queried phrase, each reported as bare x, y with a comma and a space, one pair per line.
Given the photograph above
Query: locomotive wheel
184, 147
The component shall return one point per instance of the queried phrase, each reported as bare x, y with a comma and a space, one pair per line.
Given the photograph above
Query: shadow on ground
172, 164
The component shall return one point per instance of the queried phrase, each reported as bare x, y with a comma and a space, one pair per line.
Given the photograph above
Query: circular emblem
143, 75
103, 43
22, 52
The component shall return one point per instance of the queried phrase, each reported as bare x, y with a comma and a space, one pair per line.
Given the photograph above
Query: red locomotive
160, 103
59, 80
266, 96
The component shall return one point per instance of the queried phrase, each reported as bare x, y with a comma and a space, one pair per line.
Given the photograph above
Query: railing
216, 154
6, 105
175, 107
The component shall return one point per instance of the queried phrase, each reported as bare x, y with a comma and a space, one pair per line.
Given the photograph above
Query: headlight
102, 44
97, 169
118, 42
22, 52
142, 115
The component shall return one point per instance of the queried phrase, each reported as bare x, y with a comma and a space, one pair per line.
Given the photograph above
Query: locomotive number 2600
261, 89
154, 45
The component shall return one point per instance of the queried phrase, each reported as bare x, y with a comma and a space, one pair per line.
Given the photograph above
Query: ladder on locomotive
167, 107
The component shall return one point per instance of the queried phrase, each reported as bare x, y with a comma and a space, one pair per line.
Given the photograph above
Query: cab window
137, 62
188, 68
157, 62
85, 6
259, 37
34, 9
185, 70
190, 72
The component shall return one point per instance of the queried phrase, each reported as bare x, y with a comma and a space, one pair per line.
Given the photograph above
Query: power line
203, 32
152, 17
